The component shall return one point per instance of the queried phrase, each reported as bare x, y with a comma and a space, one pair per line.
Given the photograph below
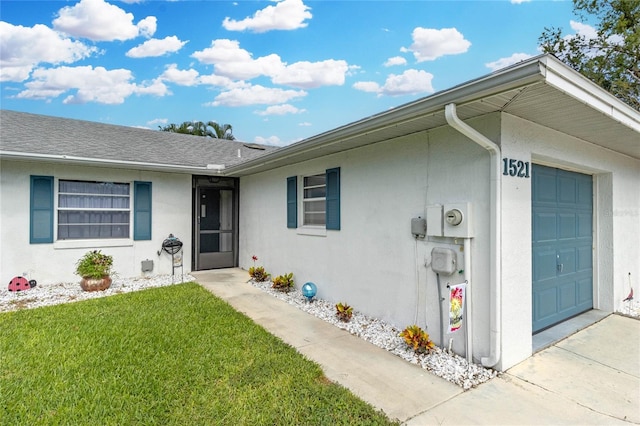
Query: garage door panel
585, 225
546, 222
566, 296
545, 264
562, 238
567, 225
584, 259
585, 291
546, 305
545, 187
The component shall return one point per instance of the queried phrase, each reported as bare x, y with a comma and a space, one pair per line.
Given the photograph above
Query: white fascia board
82, 161
581, 88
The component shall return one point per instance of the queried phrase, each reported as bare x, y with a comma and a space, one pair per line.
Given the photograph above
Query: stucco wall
51, 263
373, 263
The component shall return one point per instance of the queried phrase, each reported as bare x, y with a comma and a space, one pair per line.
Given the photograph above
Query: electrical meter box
443, 261
434, 220
418, 227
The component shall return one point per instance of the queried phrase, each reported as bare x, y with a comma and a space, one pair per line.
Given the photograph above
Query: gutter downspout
495, 278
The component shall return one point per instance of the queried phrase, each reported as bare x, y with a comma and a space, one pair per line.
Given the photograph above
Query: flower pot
95, 284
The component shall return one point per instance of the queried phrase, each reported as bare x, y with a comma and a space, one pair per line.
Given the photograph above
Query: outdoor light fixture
309, 290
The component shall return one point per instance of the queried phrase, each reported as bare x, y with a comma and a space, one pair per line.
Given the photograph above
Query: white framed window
93, 210
314, 196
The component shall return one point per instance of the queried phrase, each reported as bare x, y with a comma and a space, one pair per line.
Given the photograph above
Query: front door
562, 218
215, 236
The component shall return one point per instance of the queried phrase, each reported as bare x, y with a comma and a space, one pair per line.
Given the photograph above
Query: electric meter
453, 217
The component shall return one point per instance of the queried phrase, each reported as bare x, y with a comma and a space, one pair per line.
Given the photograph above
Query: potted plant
95, 268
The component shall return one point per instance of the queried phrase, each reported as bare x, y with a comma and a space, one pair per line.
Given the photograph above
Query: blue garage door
562, 218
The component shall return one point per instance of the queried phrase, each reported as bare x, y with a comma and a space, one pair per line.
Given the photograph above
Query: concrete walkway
592, 377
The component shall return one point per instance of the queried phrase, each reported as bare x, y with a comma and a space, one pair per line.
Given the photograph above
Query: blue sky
277, 71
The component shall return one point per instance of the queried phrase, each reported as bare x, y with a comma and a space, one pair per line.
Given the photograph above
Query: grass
172, 356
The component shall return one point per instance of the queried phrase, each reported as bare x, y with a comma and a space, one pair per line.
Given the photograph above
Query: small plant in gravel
344, 312
417, 339
283, 282
258, 273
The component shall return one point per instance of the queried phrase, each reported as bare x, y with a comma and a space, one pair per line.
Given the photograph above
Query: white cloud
158, 121
308, 75
155, 88
396, 60
585, 30
304, 124
271, 140
230, 60
430, 44
505, 62
281, 110
98, 20
156, 47
519, 1
410, 82
254, 95
89, 84
181, 77
220, 81
285, 15
367, 86
23, 48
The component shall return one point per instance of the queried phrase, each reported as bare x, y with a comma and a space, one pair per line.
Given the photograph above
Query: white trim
316, 231
97, 244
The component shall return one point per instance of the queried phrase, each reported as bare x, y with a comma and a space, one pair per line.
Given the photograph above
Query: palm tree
210, 129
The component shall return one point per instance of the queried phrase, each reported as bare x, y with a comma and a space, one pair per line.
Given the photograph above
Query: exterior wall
616, 224
373, 263
52, 263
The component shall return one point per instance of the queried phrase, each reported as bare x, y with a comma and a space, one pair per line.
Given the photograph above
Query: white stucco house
524, 184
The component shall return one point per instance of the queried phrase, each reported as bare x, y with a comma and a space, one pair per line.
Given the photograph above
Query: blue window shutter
41, 210
292, 202
333, 198
141, 211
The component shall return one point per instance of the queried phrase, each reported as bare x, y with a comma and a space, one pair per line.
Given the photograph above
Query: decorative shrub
418, 339
94, 264
344, 312
283, 282
258, 273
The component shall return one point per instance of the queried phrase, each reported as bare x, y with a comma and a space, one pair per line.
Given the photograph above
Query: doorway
215, 223
562, 221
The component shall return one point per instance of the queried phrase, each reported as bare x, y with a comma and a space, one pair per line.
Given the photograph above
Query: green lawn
173, 355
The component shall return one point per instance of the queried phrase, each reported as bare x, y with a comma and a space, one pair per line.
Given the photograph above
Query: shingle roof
40, 135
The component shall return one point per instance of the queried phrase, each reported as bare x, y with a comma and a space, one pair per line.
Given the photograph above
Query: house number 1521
517, 168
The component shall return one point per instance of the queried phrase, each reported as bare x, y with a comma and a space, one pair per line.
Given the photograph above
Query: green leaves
283, 282
94, 264
344, 312
417, 339
258, 273
611, 57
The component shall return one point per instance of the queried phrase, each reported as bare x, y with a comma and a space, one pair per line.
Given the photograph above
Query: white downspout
495, 279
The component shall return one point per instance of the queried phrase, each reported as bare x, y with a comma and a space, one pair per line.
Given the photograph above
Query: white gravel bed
54, 294
442, 363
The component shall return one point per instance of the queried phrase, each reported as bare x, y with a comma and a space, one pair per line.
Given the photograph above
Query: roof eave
97, 162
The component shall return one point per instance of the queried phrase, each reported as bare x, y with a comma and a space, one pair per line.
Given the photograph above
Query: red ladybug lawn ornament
21, 284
